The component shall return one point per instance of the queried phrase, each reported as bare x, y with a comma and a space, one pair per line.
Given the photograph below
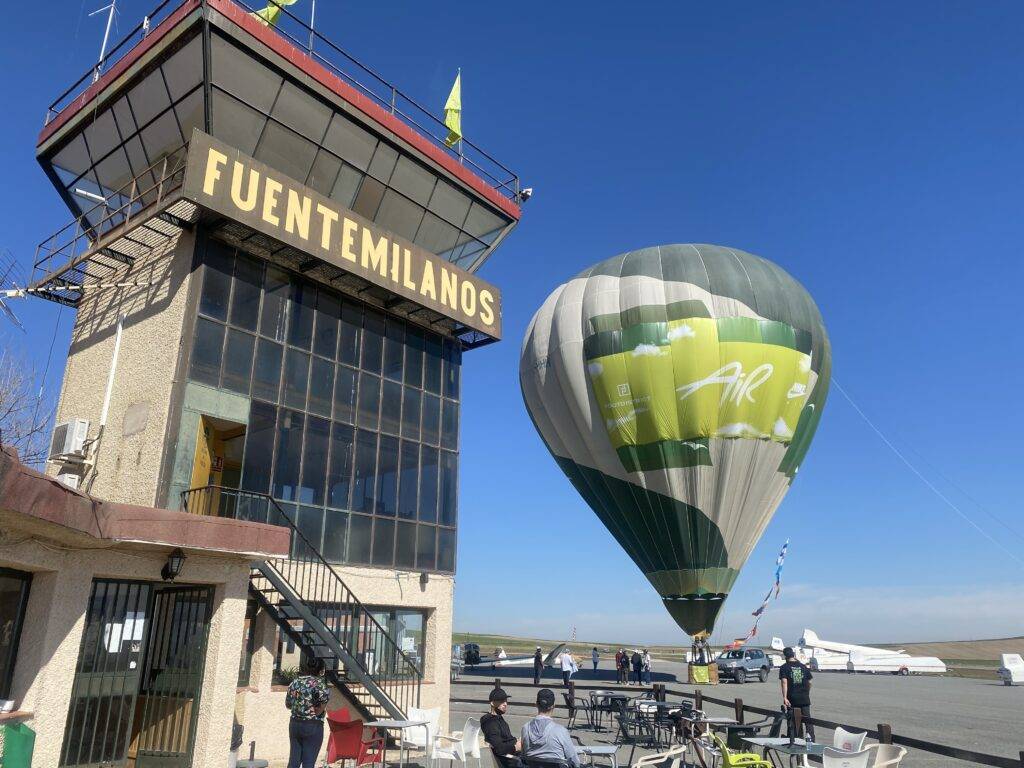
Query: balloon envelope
678, 387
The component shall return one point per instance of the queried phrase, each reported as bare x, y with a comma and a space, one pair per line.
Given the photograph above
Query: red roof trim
339, 87
117, 70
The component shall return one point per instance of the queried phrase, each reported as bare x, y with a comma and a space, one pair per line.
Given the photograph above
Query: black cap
497, 696
545, 698
788, 653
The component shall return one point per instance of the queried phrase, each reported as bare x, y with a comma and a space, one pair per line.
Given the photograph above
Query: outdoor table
781, 745
609, 751
401, 725
606, 699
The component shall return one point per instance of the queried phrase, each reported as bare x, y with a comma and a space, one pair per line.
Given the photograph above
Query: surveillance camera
526, 193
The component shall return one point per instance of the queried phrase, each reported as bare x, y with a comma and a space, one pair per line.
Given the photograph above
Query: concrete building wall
130, 453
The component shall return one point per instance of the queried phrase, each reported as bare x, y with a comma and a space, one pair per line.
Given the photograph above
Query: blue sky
873, 150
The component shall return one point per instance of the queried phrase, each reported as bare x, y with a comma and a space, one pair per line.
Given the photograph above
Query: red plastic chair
345, 741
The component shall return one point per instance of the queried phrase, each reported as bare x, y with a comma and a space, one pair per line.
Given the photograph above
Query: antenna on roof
8, 286
112, 9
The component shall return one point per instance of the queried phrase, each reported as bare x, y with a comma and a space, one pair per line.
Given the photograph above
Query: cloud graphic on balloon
648, 350
681, 332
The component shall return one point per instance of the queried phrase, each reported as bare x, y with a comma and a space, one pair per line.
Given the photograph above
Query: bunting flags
269, 15
759, 611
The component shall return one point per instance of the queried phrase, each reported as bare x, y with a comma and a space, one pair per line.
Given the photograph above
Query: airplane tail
809, 637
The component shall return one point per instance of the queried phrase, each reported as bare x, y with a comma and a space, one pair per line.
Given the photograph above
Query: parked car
743, 664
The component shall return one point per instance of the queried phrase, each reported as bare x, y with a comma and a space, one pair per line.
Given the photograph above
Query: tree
25, 413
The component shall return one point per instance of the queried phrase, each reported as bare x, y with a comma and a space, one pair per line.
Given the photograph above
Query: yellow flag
269, 15
453, 112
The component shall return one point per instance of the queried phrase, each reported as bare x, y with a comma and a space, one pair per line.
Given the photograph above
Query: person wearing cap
795, 679
545, 740
538, 666
595, 657
497, 734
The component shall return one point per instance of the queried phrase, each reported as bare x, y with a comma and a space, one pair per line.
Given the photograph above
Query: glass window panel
414, 357
435, 235
431, 419
428, 484
409, 474
238, 361
101, 135
351, 329
446, 550
161, 137
217, 266
373, 340
432, 363
390, 407
383, 542
301, 111
242, 75
483, 224
411, 414
245, 300
335, 536
324, 172
328, 309
206, 349
285, 151
259, 447
365, 474
321, 386
368, 200
393, 349
235, 122
387, 476
125, 120
314, 461
425, 547
339, 480
296, 378
413, 180
449, 488
311, 524
346, 186
115, 175
350, 142
399, 215
288, 455
74, 158
190, 113
345, 395
300, 323
369, 401
466, 254
184, 70
266, 376
383, 162
149, 98
360, 527
450, 425
405, 545
138, 161
452, 362
276, 287
449, 203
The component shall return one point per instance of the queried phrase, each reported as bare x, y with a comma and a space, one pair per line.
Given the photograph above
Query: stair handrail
315, 551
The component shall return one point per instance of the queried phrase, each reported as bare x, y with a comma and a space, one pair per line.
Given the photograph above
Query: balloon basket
703, 674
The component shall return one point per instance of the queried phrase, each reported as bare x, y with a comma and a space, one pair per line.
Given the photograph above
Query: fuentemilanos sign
223, 179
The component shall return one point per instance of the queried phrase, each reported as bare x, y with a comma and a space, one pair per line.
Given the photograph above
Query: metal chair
576, 704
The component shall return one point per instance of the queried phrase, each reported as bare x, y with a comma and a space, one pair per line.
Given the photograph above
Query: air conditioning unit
68, 443
68, 479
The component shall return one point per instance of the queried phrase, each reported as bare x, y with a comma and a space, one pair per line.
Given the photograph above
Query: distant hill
964, 649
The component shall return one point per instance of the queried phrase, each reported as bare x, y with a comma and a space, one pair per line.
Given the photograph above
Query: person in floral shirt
307, 699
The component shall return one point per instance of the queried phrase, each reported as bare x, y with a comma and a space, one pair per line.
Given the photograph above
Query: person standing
638, 664
569, 668
624, 668
307, 699
538, 666
646, 666
545, 740
595, 657
618, 666
498, 735
795, 680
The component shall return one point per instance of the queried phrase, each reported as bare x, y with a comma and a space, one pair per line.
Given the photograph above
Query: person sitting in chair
497, 734
544, 740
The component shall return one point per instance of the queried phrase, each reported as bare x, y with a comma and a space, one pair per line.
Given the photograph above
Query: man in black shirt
796, 693
497, 734
538, 666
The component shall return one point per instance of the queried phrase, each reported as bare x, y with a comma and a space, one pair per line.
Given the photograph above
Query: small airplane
472, 658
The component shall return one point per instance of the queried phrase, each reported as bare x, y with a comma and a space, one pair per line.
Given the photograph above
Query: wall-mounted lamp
424, 578
172, 568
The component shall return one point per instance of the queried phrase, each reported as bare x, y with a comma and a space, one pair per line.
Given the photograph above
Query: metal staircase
318, 612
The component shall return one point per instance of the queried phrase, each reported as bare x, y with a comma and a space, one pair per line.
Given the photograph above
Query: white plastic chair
415, 738
459, 747
887, 755
835, 758
851, 741
675, 755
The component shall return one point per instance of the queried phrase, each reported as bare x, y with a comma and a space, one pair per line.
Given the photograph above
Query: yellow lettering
486, 307
468, 298
374, 256
449, 288
271, 189
214, 160
330, 216
407, 270
427, 281
395, 262
297, 213
348, 239
249, 203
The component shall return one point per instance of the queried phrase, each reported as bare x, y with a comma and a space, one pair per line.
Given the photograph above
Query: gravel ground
981, 715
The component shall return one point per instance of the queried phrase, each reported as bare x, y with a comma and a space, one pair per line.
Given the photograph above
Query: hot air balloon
678, 387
